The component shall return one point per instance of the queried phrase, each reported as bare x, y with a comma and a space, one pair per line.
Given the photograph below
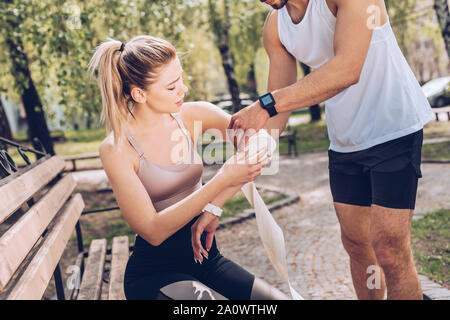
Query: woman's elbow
156, 242
154, 239
152, 234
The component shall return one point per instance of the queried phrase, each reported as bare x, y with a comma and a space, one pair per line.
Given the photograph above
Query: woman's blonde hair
120, 67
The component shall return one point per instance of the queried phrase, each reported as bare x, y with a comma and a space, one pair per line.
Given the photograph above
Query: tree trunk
228, 67
250, 86
89, 119
5, 129
37, 127
221, 26
442, 11
314, 111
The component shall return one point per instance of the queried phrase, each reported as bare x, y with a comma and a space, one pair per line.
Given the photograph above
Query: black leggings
169, 271
221, 280
219, 274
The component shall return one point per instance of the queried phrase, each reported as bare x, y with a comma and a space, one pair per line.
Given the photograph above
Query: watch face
267, 99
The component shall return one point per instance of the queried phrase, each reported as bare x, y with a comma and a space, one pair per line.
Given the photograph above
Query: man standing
375, 112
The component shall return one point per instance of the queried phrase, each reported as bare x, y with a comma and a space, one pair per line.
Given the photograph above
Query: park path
317, 263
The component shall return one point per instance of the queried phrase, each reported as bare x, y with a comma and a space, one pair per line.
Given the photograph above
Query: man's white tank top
387, 102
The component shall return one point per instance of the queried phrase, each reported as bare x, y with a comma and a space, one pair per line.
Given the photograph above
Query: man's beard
279, 6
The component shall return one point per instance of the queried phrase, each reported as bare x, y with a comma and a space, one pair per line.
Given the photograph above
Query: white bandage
269, 231
259, 141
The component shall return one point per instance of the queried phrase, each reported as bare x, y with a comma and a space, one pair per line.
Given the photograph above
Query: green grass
77, 142
430, 237
93, 135
436, 151
239, 203
311, 136
436, 129
104, 225
71, 148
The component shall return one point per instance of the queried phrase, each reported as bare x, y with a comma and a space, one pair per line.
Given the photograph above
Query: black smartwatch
268, 103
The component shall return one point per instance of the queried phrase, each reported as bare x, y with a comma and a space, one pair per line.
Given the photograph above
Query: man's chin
279, 6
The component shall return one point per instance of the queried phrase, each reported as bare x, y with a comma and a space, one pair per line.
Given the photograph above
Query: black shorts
386, 174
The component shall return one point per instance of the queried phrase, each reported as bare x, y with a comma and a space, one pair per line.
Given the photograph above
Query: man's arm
351, 43
282, 68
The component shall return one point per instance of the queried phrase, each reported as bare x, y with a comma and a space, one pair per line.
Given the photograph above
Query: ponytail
119, 68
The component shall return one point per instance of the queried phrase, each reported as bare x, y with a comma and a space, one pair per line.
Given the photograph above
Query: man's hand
251, 117
206, 222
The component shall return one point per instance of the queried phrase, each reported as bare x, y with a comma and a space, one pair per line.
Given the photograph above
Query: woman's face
167, 93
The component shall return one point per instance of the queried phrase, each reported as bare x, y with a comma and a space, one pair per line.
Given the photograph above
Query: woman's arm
136, 205
214, 120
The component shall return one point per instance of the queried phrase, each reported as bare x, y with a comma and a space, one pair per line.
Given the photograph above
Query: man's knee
355, 230
357, 248
390, 237
393, 253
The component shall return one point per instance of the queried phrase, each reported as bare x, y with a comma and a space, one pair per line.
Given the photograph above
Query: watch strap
215, 210
269, 107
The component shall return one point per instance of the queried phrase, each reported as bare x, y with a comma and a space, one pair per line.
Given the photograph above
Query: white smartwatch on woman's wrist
215, 210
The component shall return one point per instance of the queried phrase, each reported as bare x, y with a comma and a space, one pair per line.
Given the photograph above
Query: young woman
158, 190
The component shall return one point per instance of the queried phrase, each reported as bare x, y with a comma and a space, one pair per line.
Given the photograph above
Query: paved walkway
318, 265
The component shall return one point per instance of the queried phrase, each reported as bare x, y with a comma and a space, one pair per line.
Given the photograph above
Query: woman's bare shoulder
207, 114
107, 146
111, 152
196, 110
202, 111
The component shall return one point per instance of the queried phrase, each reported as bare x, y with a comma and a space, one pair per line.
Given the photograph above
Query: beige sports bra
168, 184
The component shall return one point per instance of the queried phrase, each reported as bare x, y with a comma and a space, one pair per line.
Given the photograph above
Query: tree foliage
59, 37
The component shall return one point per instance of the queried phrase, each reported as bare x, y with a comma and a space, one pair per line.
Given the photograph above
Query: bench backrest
38, 213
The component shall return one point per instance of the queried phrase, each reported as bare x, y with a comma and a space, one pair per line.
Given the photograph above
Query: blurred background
46, 46
46, 93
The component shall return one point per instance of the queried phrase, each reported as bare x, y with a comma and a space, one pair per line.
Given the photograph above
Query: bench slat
85, 156
91, 284
441, 110
38, 273
120, 254
20, 238
19, 190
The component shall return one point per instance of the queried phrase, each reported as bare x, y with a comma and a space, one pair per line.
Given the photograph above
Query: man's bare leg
355, 224
390, 233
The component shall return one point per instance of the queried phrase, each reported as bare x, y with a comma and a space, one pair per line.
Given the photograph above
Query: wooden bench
39, 211
441, 110
77, 157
